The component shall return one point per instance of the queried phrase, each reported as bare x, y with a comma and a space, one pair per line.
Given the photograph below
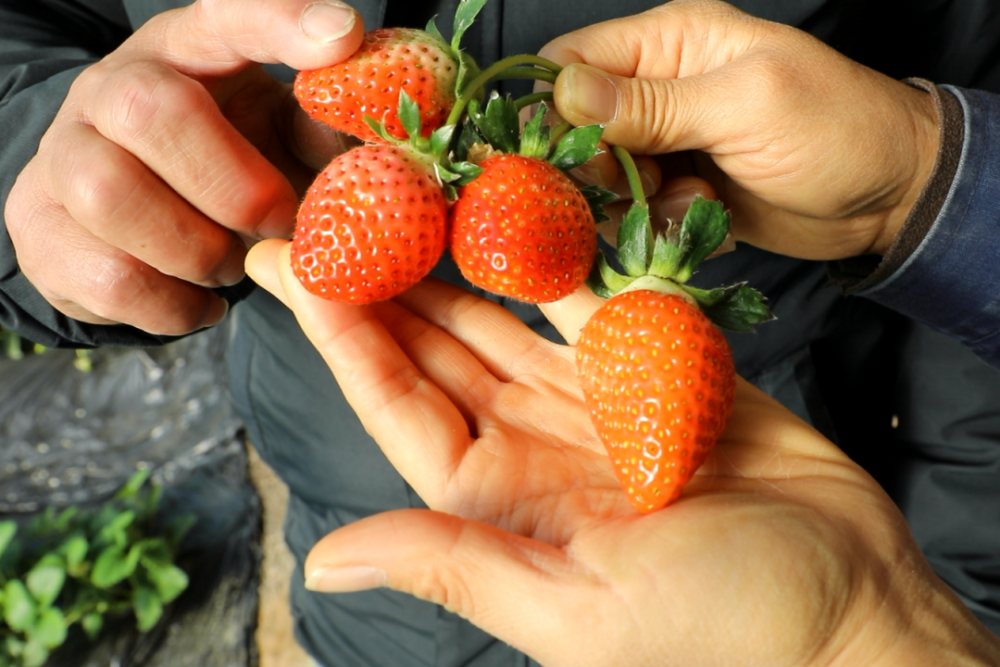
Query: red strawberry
657, 375
368, 83
372, 225
522, 229
658, 379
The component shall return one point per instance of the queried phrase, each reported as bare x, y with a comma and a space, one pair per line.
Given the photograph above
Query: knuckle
146, 99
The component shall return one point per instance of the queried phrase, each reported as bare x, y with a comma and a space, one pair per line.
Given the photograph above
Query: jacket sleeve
951, 280
44, 44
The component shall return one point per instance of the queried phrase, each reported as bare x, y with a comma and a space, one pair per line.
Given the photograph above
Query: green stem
559, 131
632, 173
521, 72
533, 98
487, 75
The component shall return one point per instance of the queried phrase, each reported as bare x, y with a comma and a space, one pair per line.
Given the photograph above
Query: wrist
924, 136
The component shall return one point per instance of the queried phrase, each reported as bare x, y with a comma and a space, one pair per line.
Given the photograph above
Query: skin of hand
170, 154
781, 551
816, 156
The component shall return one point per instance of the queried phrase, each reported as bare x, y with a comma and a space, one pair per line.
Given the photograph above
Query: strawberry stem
533, 98
489, 73
632, 173
522, 72
559, 131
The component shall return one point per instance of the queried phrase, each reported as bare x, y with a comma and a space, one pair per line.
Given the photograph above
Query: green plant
81, 565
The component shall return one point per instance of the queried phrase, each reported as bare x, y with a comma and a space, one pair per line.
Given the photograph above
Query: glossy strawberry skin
372, 225
659, 381
522, 229
369, 82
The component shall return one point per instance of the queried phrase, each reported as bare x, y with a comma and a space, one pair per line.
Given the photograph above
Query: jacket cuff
856, 274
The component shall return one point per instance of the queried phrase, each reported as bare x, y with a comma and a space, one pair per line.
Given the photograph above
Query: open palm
781, 551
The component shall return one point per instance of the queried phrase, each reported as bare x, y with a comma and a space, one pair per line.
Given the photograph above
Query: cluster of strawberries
440, 167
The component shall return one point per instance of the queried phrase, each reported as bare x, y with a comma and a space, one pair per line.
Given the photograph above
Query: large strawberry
657, 374
522, 228
371, 226
391, 60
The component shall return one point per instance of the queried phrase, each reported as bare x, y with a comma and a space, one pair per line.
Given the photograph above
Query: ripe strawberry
372, 225
523, 230
658, 379
369, 82
657, 375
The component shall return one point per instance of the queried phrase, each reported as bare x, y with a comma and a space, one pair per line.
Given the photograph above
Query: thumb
219, 37
647, 116
513, 587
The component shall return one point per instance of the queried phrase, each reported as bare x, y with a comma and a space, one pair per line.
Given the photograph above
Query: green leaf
74, 550
465, 16
704, 228
134, 483
114, 532
577, 147
45, 580
7, 531
92, 624
148, 608
168, 579
19, 608
34, 655
535, 137
114, 564
635, 240
65, 519
499, 124
409, 115
50, 629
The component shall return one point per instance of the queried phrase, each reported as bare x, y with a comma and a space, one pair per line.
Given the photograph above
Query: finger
89, 280
523, 591
173, 125
220, 38
422, 432
108, 191
568, 315
497, 338
262, 266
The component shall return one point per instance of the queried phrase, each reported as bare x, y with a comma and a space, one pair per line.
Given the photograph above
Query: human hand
780, 552
817, 156
165, 153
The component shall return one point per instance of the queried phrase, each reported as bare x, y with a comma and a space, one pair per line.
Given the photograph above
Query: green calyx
664, 261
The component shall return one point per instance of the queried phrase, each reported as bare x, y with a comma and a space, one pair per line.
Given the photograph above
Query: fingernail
592, 94
327, 21
345, 579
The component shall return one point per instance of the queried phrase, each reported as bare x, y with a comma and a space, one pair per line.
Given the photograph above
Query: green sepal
667, 256
635, 241
378, 128
468, 137
465, 16
432, 29
577, 147
441, 139
409, 115
499, 124
598, 197
595, 281
466, 172
536, 134
736, 307
703, 230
